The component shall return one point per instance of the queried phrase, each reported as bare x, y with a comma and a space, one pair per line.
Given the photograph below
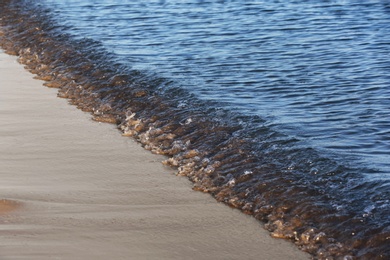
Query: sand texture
72, 188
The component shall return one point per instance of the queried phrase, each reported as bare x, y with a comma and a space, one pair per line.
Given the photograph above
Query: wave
325, 208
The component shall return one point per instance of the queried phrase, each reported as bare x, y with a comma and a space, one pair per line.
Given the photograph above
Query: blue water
278, 108
315, 70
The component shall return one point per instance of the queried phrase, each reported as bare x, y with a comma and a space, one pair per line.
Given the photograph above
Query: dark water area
277, 108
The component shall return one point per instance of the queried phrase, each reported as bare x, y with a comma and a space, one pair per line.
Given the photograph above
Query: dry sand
72, 188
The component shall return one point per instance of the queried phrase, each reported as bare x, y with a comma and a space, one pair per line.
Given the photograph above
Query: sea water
279, 108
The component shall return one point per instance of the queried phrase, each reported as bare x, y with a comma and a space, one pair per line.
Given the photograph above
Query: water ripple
307, 82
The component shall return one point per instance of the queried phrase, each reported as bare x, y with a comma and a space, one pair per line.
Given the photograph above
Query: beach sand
72, 188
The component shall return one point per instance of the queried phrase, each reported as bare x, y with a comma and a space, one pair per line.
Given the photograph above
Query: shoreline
85, 192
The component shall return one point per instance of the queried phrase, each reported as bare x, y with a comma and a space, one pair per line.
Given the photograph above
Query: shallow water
314, 70
277, 108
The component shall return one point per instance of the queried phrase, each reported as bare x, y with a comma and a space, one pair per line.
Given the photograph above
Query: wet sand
72, 188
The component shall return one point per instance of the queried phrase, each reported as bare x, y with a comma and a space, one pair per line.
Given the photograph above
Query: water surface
278, 108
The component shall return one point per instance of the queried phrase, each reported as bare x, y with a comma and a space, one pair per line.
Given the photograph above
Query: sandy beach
72, 188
